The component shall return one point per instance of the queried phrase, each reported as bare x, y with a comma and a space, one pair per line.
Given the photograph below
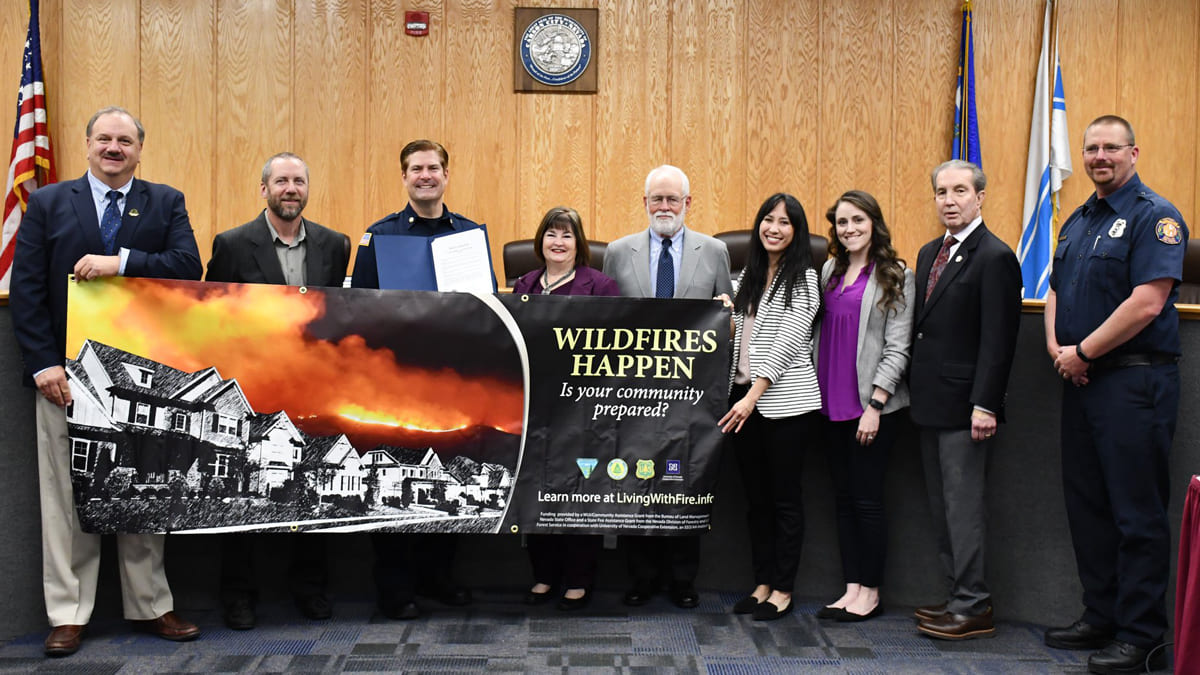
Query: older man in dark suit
278, 247
105, 223
964, 336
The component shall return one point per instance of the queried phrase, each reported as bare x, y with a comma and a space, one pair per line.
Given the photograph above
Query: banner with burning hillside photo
209, 407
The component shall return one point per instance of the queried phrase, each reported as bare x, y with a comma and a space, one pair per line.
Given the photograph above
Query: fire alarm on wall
416, 23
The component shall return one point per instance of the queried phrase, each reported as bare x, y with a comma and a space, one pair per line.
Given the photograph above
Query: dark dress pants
955, 476
569, 559
770, 455
406, 564
1116, 437
308, 572
858, 473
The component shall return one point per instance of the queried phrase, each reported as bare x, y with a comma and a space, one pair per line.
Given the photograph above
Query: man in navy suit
280, 246
105, 223
964, 337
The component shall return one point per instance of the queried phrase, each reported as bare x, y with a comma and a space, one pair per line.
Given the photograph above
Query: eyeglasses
671, 200
1109, 149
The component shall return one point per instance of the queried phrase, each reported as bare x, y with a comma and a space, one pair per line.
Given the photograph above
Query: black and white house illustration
167, 450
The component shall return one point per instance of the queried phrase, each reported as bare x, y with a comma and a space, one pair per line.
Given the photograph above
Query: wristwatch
876, 404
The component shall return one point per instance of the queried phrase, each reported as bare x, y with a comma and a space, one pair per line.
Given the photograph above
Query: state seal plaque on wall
555, 49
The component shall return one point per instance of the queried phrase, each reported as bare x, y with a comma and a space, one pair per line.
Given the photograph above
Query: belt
1129, 360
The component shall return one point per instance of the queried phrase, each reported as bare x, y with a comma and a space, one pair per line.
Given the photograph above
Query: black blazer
246, 255
60, 227
965, 335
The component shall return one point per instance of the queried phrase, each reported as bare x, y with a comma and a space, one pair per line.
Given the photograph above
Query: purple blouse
837, 363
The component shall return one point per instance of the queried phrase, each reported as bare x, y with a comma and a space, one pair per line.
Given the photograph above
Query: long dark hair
793, 265
889, 269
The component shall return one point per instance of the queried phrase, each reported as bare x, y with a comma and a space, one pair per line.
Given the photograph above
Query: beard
286, 211
666, 223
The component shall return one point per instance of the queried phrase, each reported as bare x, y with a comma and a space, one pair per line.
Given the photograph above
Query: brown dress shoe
929, 612
63, 640
170, 627
950, 626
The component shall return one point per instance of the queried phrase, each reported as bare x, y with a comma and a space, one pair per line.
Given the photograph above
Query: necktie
110, 222
665, 286
939, 264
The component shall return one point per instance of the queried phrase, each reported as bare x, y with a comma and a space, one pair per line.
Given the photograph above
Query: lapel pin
134, 213
958, 258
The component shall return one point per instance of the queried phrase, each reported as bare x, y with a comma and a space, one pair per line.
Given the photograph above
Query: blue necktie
110, 222
665, 285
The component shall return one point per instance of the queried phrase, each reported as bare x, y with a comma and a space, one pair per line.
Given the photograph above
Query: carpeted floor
498, 634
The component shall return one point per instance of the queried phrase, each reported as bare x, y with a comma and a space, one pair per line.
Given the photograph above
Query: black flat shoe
746, 605
830, 613
846, 616
769, 612
566, 604
534, 598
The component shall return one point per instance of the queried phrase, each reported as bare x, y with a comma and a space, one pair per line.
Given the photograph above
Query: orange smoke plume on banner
257, 334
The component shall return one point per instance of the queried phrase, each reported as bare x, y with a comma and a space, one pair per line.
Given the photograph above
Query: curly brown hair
889, 268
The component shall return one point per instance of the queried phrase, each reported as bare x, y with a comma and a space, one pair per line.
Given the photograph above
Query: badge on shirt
366, 239
1117, 229
1167, 231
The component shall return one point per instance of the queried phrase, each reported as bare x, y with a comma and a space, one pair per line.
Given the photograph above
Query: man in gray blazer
667, 261
278, 247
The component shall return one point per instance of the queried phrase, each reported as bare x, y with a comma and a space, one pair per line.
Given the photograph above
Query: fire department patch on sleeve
366, 239
1167, 231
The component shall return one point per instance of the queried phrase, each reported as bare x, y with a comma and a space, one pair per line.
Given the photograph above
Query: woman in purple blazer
566, 559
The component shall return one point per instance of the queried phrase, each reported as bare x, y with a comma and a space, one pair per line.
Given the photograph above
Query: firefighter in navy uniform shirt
1112, 329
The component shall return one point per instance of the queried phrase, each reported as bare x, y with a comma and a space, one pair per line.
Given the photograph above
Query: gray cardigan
884, 341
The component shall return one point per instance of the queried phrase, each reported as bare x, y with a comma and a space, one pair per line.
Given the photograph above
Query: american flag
32, 162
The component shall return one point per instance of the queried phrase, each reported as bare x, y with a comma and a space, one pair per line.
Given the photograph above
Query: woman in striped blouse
774, 397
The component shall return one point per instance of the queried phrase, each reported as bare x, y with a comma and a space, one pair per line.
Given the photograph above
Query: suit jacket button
920, 336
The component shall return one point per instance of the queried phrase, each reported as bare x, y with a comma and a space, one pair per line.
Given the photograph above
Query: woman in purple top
566, 559
862, 353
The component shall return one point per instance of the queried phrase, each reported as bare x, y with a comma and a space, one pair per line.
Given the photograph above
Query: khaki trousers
71, 557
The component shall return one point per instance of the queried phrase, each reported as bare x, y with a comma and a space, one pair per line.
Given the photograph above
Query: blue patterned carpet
498, 634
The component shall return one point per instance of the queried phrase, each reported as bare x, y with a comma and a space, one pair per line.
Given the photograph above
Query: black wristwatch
876, 404
1082, 357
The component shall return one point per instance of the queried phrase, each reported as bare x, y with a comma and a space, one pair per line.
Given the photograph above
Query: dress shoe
400, 611
847, 616
534, 598
239, 614
566, 604
315, 606
951, 626
830, 612
1079, 635
638, 595
1122, 657
746, 605
170, 626
684, 596
767, 611
64, 640
929, 612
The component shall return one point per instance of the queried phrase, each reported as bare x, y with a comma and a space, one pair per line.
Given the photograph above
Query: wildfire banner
207, 407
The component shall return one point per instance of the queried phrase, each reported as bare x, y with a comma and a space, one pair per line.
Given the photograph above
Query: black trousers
1116, 437
308, 573
406, 564
770, 454
657, 560
858, 474
569, 559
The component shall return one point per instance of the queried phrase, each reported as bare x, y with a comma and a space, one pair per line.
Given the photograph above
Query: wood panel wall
750, 97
